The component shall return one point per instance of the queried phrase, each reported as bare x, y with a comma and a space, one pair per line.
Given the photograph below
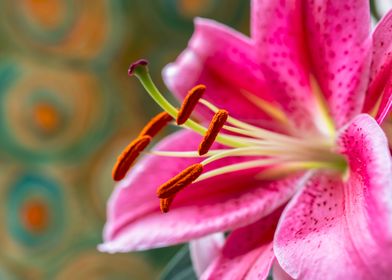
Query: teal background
67, 108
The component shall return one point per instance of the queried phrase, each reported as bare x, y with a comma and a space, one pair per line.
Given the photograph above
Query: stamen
290, 167
180, 181
216, 125
260, 137
128, 156
186, 154
156, 124
247, 151
189, 103
238, 166
165, 204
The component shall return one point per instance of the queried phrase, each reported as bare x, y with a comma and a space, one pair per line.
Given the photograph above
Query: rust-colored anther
180, 181
128, 156
156, 124
189, 103
215, 126
165, 204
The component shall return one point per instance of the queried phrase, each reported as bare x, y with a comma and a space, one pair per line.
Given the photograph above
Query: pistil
140, 70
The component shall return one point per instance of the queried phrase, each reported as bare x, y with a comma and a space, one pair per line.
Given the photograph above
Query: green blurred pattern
67, 108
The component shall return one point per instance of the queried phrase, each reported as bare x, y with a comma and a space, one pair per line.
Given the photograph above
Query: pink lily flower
300, 173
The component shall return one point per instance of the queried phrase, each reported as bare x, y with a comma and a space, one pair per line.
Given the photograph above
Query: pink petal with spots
342, 229
339, 42
381, 62
280, 44
221, 203
223, 60
205, 250
247, 253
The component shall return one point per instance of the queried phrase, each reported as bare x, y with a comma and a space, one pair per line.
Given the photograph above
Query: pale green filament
248, 151
279, 153
284, 166
290, 167
187, 154
237, 167
275, 138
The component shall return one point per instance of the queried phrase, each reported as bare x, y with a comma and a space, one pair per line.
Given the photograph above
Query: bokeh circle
51, 113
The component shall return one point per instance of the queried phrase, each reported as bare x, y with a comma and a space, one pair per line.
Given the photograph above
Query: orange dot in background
192, 8
35, 216
48, 13
46, 117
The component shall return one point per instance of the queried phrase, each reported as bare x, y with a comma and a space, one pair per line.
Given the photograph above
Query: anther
180, 181
189, 103
128, 156
156, 124
165, 204
215, 126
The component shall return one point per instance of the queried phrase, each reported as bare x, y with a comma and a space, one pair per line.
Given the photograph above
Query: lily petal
334, 47
277, 30
346, 220
339, 42
213, 205
247, 253
224, 60
381, 62
205, 250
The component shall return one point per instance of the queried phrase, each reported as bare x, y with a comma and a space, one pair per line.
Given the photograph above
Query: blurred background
67, 109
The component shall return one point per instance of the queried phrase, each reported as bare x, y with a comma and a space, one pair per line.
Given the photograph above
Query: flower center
279, 153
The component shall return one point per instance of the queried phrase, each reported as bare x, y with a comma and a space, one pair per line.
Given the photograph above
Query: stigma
280, 153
